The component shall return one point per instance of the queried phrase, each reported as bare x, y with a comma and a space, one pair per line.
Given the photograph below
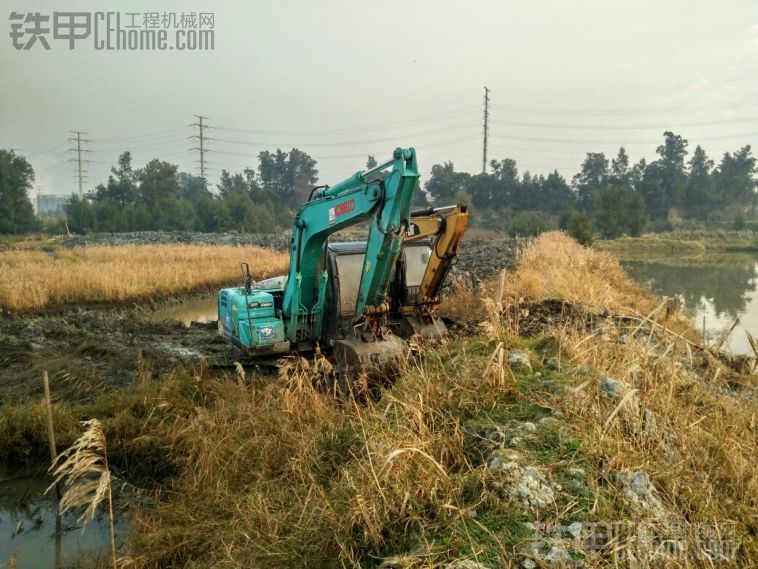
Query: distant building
50, 204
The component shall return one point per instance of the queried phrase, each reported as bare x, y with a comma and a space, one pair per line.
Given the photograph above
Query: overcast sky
345, 78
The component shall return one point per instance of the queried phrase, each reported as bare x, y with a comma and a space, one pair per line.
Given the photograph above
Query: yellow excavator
434, 235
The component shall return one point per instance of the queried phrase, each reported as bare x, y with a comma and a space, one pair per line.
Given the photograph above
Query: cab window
416, 260
349, 269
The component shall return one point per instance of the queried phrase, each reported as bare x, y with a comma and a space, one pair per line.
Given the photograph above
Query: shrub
529, 224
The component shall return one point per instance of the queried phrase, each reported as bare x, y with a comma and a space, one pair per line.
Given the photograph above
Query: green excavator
357, 301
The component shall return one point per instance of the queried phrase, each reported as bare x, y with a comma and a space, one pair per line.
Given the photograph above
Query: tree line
610, 196
613, 196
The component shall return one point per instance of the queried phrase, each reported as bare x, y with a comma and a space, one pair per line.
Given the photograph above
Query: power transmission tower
80, 174
203, 147
486, 127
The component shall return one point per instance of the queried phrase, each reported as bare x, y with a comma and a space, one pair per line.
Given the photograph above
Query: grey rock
558, 555
465, 564
548, 422
529, 563
613, 387
583, 369
638, 490
399, 562
527, 485
575, 530
519, 361
529, 427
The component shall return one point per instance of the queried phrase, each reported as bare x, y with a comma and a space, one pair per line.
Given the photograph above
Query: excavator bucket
378, 360
431, 329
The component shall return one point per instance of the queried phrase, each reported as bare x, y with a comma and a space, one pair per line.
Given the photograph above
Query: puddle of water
200, 310
34, 538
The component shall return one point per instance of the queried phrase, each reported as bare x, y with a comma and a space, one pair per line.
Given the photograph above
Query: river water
719, 288
32, 536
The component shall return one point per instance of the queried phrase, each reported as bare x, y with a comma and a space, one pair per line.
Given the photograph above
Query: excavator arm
446, 225
385, 200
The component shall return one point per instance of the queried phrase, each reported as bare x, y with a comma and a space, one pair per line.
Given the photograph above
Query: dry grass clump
32, 280
555, 266
284, 474
695, 438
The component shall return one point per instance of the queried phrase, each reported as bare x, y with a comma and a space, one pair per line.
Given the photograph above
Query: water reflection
195, 310
33, 536
720, 288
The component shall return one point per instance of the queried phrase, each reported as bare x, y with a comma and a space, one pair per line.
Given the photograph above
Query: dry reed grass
32, 280
83, 471
554, 266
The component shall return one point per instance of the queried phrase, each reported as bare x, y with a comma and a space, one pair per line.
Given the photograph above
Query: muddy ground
89, 350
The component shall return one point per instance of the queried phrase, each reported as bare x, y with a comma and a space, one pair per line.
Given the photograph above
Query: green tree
700, 193
610, 206
80, 215
580, 227
121, 188
192, 188
620, 173
159, 193
16, 177
619, 210
592, 176
290, 175
507, 183
213, 214
444, 183
529, 224
735, 178
664, 182
555, 194
483, 189
636, 214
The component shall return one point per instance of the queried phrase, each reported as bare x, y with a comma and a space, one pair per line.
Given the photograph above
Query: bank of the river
683, 242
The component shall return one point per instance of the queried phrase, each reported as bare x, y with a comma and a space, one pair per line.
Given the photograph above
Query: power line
627, 126
383, 125
79, 174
